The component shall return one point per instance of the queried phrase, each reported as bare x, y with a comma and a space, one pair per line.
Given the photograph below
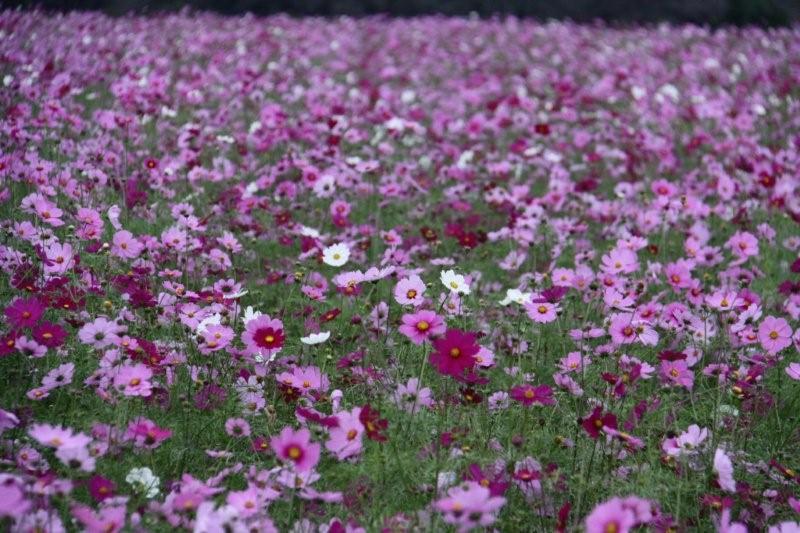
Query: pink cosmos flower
125, 245
59, 376
527, 477
59, 258
100, 333
57, 436
678, 275
305, 379
247, 502
687, 442
8, 420
611, 516
109, 519
48, 212
409, 291
215, 338
743, 244
146, 434
410, 398
345, 440
237, 427
422, 326
263, 336
793, 370
541, 312
626, 329
12, 501
620, 261
724, 469
76, 457
134, 380
573, 362
296, 448
677, 373
469, 505
774, 334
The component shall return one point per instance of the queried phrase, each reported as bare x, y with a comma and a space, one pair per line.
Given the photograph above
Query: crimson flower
595, 422
373, 424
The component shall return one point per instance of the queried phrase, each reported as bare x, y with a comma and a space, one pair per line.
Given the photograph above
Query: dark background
712, 12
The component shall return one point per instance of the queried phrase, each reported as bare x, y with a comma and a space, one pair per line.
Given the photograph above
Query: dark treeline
713, 12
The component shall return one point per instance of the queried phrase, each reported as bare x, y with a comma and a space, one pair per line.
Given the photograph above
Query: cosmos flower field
432, 274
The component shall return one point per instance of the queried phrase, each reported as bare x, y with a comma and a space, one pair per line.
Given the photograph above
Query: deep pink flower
422, 326
528, 395
296, 448
455, 352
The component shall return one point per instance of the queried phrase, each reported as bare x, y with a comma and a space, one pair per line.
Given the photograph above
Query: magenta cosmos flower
774, 334
421, 326
263, 336
455, 352
409, 291
470, 505
295, 447
24, 313
528, 395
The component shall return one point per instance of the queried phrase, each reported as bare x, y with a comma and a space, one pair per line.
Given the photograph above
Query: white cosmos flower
213, 320
336, 255
144, 480
454, 282
305, 231
515, 296
250, 314
235, 295
316, 338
